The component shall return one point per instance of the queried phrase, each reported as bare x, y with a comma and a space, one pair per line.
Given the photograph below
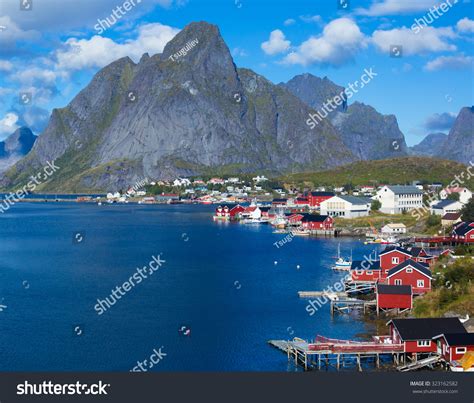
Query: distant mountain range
15, 147
198, 113
458, 145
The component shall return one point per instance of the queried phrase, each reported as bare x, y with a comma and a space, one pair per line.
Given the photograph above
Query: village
422, 229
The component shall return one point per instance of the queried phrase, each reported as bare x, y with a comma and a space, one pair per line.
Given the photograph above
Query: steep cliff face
15, 147
182, 112
459, 146
430, 146
365, 132
369, 134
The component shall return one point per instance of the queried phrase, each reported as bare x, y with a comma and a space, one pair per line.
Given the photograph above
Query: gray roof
405, 190
355, 200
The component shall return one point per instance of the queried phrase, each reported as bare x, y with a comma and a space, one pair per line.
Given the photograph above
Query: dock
316, 294
335, 352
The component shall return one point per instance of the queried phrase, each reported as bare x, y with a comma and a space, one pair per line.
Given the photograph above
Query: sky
422, 56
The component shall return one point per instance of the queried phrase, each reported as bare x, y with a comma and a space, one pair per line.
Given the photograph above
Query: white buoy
298, 266
275, 262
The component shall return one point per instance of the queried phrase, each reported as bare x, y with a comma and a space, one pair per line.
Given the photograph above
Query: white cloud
465, 25
276, 44
289, 21
340, 41
32, 75
99, 51
239, 52
310, 18
5, 65
8, 124
428, 40
12, 33
450, 62
396, 7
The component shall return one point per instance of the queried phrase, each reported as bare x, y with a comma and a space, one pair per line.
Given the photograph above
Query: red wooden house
394, 297
365, 271
315, 198
453, 346
294, 219
228, 212
317, 222
421, 256
302, 201
411, 273
391, 257
416, 334
464, 232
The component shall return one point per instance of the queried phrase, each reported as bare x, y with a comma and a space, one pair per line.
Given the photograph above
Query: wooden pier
316, 294
334, 352
347, 305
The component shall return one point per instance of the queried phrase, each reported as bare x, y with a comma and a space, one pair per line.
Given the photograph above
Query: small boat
300, 232
342, 263
251, 221
389, 241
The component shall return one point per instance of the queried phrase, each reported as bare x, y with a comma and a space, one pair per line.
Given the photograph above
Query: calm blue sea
219, 280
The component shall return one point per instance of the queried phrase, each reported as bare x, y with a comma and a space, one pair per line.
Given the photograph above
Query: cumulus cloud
5, 65
465, 25
11, 34
450, 62
289, 21
440, 121
340, 40
8, 124
99, 51
428, 40
395, 7
276, 44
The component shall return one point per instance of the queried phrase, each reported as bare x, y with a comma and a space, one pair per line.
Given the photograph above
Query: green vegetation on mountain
392, 171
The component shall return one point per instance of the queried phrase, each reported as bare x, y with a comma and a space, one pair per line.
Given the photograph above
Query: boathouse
416, 335
421, 256
399, 297
365, 271
314, 222
412, 273
315, 198
453, 346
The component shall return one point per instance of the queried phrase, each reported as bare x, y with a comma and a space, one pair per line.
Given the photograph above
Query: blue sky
51, 51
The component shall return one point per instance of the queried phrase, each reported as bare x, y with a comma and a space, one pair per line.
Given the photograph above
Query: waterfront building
397, 199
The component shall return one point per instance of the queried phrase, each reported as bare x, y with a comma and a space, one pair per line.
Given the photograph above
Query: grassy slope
453, 290
390, 171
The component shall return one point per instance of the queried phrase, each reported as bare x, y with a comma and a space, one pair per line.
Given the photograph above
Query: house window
359, 272
461, 350
420, 283
409, 270
398, 282
395, 260
370, 272
423, 343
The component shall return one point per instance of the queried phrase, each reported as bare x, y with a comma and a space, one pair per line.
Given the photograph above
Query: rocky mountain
186, 111
15, 146
430, 146
459, 145
366, 132
314, 91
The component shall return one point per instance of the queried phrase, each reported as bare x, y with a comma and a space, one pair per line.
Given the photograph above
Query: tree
376, 205
467, 212
453, 196
433, 220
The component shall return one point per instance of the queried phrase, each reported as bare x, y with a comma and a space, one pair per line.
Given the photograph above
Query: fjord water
219, 280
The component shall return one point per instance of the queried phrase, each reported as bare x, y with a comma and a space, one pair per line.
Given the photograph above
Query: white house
394, 228
181, 182
464, 194
346, 206
446, 206
396, 199
259, 179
